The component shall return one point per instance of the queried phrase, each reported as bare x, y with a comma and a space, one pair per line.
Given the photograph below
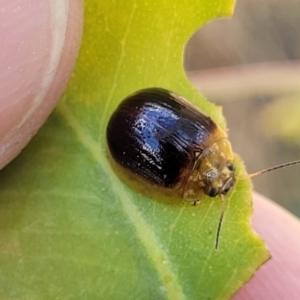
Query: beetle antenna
291, 163
220, 222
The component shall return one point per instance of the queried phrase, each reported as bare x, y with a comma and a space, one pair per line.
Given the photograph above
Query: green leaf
70, 229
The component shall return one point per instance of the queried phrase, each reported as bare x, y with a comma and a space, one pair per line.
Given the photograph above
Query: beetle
163, 140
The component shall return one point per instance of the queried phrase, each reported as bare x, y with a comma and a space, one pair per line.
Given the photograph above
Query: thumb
279, 278
39, 45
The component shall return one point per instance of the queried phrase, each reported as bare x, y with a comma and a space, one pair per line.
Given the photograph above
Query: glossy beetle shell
165, 141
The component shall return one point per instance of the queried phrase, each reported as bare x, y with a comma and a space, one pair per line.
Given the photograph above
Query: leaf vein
144, 232
120, 63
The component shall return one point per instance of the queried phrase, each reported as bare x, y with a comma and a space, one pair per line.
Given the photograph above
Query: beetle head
217, 172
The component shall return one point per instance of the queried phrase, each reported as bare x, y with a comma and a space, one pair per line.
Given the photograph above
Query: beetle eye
231, 167
227, 186
211, 191
226, 190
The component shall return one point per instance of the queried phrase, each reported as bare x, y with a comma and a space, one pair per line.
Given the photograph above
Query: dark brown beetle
171, 144
163, 140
